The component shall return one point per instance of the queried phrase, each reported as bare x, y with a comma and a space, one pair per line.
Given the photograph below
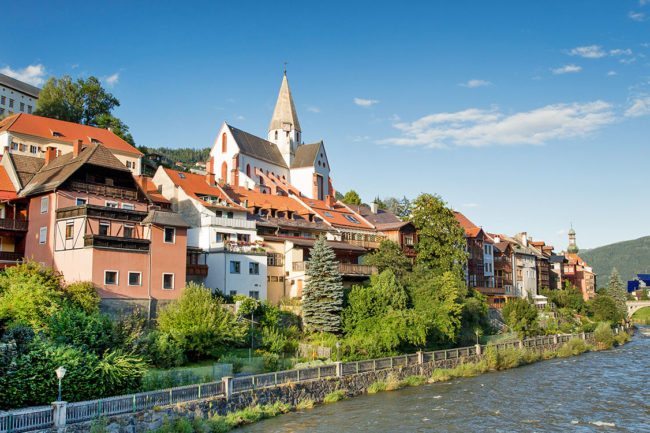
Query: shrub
509, 358
413, 381
334, 396
74, 326
392, 383
622, 338
376, 387
521, 317
574, 346
604, 336
163, 351
84, 295
492, 357
305, 404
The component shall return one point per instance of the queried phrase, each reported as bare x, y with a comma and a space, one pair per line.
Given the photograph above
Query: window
110, 278
276, 135
33, 149
135, 278
233, 293
2, 111
45, 204
128, 206
22, 106
69, 230
408, 240
128, 230
29, 109
351, 219
104, 228
42, 235
168, 281
224, 142
229, 215
274, 259
3, 100
112, 204
219, 237
81, 201
170, 235
11, 103
235, 267
254, 268
14, 145
255, 294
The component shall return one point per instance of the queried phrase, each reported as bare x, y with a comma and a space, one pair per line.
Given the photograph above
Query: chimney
50, 154
374, 207
5, 149
330, 201
76, 148
209, 171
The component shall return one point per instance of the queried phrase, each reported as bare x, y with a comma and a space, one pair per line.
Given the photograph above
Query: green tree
76, 327
83, 294
475, 317
617, 291
351, 197
521, 317
322, 298
199, 323
441, 240
389, 256
82, 101
605, 309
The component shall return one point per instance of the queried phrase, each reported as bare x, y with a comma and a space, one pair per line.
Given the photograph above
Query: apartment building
17, 96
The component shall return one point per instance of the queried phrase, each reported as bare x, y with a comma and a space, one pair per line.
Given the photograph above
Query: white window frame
130, 226
45, 204
117, 277
69, 224
128, 206
250, 294
230, 267
117, 205
173, 281
105, 223
139, 279
165, 235
84, 199
42, 235
253, 265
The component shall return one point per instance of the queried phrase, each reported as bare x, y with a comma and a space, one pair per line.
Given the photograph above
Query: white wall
219, 276
18, 97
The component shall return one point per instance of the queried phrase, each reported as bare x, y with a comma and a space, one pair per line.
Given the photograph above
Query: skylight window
351, 219
329, 215
181, 175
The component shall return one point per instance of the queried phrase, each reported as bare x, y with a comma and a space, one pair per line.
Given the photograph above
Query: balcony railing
13, 224
197, 270
105, 190
7, 256
349, 269
102, 212
371, 245
491, 290
237, 223
117, 243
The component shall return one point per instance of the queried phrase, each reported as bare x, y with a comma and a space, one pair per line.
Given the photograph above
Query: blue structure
641, 281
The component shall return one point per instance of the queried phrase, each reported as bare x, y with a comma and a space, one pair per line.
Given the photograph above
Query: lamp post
60, 373
338, 347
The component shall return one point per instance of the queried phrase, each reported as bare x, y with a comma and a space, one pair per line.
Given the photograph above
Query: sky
526, 116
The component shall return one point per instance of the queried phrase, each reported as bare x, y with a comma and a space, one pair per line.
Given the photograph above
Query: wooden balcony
117, 243
197, 270
491, 290
7, 256
370, 245
348, 269
19, 225
104, 190
101, 212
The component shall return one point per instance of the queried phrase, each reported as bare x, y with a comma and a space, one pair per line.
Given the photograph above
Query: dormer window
56, 133
94, 140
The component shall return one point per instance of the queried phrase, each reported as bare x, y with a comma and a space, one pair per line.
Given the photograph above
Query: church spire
573, 246
284, 115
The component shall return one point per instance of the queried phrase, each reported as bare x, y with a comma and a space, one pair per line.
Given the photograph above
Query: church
241, 159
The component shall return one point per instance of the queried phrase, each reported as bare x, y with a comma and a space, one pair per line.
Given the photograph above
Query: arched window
224, 171
248, 170
224, 143
276, 135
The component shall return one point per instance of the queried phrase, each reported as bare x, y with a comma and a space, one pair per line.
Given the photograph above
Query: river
598, 391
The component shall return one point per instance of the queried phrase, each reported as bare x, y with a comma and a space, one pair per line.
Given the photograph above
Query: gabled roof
21, 86
382, 220
258, 199
337, 215
257, 147
150, 189
55, 173
306, 155
26, 166
165, 218
196, 186
59, 130
471, 229
285, 110
7, 190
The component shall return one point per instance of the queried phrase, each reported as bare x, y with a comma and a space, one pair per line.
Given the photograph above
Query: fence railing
44, 416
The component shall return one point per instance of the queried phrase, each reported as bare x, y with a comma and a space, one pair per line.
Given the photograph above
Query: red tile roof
150, 189
195, 185
7, 190
471, 229
45, 127
255, 198
337, 214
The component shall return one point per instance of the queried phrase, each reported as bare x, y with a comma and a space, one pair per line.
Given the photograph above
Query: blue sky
522, 115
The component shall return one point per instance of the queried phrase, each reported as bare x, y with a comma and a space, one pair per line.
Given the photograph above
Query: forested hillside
629, 257
186, 155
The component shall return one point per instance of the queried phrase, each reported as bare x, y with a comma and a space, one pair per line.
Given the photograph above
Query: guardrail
44, 416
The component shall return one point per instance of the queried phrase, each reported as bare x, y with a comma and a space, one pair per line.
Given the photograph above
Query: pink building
91, 220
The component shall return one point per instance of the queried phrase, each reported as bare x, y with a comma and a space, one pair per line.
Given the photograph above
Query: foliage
199, 324
441, 240
617, 291
87, 331
83, 294
568, 297
605, 309
351, 197
474, 318
322, 299
574, 346
334, 396
305, 404
521, 317
82, 101
401, 208
185, 155
389, 256
604, 335
162, 350
628, 257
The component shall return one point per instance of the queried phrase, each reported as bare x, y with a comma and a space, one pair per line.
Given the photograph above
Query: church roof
257, 147
285, 110
306, 155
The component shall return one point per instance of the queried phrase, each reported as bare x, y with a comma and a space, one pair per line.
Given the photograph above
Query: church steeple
573, 247
284, 129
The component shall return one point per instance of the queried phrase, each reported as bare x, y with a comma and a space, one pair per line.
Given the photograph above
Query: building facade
16, 96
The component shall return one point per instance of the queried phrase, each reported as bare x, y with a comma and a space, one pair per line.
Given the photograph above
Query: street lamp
338, 347
60, 372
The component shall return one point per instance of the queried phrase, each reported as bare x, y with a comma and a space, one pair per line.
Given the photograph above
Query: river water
599, 391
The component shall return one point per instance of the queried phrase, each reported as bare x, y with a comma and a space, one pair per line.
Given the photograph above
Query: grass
392, 383
305, 404
334, 396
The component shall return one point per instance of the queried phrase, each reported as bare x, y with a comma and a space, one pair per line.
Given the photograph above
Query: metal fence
43, 417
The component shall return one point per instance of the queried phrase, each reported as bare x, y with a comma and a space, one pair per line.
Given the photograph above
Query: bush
163, 351
574, 346
521, 317
604, 336
376, 387
334, 396
84, 295
509, 358
90, 331
305, 404
621, 338
440, 375
413, 381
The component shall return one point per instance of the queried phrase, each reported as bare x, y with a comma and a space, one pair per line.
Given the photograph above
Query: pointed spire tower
284, 129
573, 246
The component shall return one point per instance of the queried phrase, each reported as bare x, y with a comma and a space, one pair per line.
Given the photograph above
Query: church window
224, 142
276, 135
248, 170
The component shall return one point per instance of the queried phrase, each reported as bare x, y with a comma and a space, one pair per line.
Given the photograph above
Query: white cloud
636, 16
360, 138
472, 84
313, 109
365, 102
627, 61
567, 69
620, 52
588, 52
476, 127
112, 80
640, 107
32, 74
611, 73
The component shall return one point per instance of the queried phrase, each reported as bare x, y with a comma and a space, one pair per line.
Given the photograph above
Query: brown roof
257, 147
163, 218
150, 189
306, 155
26, 166
305, 242
52, 175
383, 217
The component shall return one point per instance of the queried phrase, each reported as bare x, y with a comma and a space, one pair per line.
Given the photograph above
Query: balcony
348, 269
19, 225
104, 190
117, 243
370, 245
196, 270
7, 256
235, 223
102, 212
491, 290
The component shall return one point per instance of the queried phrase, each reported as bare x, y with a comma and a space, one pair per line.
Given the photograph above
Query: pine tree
616, 290
322, 298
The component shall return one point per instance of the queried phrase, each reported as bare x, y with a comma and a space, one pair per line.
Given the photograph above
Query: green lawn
642, 315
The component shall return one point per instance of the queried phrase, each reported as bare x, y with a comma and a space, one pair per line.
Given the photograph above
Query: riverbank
489, 361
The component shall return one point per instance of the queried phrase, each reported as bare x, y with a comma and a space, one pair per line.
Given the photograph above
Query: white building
16, 96
243, 159
220, 233
488, 262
